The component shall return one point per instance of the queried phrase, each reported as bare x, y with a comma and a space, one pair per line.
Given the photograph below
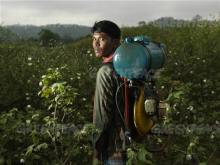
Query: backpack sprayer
136, 60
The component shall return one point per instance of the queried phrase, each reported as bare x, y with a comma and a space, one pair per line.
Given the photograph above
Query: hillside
77, 32
31, 31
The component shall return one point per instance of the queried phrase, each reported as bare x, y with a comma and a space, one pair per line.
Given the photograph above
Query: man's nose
96, 43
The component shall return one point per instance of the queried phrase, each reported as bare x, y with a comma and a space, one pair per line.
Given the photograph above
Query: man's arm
103, 108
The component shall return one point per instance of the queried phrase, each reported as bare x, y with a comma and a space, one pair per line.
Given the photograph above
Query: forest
47, 90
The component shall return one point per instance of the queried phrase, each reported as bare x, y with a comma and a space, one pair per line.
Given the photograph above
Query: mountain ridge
31, 31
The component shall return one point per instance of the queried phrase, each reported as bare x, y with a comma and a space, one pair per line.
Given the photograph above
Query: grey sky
127, 13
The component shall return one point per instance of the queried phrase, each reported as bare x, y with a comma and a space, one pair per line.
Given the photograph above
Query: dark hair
107, 27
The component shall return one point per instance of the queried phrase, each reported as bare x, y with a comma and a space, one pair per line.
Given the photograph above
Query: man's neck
108, 59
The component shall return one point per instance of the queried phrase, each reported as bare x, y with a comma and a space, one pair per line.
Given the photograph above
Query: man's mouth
97, 50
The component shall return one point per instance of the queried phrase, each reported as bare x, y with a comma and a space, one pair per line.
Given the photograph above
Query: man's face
103, 44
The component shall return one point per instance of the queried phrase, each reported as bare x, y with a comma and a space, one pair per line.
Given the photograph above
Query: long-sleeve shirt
106, 115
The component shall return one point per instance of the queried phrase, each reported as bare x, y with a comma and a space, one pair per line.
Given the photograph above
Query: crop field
46, 99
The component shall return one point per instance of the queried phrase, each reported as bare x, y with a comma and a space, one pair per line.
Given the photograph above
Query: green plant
47, 38
63, 135
137, 154
189, 81
12, 140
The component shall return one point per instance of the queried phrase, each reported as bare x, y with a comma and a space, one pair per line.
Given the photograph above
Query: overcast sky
127, 13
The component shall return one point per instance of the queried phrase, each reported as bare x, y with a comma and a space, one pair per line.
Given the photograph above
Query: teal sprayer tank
136, 56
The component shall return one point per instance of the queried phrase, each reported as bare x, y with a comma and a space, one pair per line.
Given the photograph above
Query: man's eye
102, 39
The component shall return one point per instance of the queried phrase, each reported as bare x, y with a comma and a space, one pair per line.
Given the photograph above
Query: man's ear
116, 43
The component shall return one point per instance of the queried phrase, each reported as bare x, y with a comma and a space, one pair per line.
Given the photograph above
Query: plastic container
137, 56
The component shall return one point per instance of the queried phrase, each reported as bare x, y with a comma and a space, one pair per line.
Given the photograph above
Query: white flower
162, 87
84, 99
203, 61
188, 157
88, 51
40, 83
28, 98
29, 63
188, 130
29, 58
90, 55
190, 108
212, 137
83, 132
53, 113
177, 113
78, 77
204, 80
176, 63
198, 58
213, 92
191, 72
43, 76
174, 106
28, 106
21, 160
216, 122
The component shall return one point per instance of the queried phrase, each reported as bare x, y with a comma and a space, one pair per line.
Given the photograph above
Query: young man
109, 141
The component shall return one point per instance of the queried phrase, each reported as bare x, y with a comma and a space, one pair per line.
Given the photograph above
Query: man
109, 141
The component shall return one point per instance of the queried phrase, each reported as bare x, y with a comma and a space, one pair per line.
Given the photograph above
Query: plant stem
179, 150
212, 154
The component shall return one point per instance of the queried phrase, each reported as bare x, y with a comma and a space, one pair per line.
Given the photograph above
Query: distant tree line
166, 22
64, 33
70, 34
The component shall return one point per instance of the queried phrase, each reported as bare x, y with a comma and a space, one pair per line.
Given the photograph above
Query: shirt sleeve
104, 101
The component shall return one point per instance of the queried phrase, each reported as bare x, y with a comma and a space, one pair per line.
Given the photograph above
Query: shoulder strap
110, 64
107, 63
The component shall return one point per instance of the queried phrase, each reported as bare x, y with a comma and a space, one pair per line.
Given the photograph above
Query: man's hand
99, 147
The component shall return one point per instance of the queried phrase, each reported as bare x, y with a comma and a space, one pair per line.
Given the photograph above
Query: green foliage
47, 38
192, 89
12, 141
138, 155
23, 65
54, 126
23, 75
31, 31
59, 138
5, 34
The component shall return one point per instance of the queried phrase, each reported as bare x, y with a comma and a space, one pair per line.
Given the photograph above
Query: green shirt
106, 116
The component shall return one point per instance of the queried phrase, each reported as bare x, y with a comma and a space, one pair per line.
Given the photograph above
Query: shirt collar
108, 59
